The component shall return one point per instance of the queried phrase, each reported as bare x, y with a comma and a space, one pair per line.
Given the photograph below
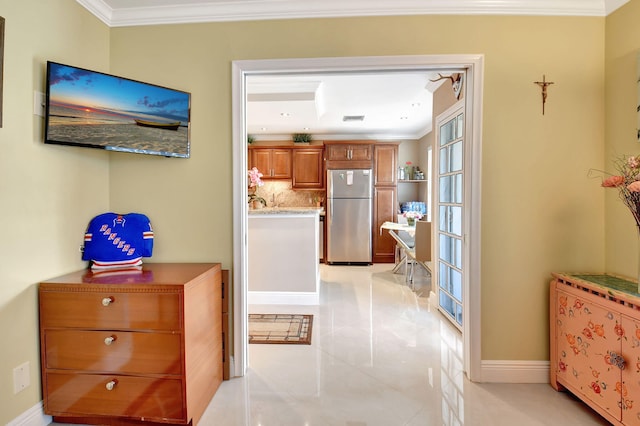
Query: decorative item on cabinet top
301, 138
115, 240
627, 182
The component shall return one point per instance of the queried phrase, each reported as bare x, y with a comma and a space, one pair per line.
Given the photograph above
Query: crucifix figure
543, 85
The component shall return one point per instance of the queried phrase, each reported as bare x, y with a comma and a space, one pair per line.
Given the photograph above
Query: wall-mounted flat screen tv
96, 110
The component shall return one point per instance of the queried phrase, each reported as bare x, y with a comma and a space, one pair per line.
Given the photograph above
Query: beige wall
47, 193
621, 68
540, 213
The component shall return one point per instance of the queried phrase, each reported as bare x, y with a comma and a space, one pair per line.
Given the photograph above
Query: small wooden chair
421, 251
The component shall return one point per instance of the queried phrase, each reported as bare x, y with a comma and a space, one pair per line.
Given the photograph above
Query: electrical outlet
21, 378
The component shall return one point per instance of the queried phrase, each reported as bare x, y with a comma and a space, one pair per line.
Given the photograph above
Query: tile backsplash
281, 193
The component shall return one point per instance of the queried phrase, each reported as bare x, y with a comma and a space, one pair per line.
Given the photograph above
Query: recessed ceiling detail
283, 105
338, 105
280, 97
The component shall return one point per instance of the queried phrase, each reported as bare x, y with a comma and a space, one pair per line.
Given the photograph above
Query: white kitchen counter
286, 210
283, 256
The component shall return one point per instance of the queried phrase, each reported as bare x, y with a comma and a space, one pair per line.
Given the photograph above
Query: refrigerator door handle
330, 213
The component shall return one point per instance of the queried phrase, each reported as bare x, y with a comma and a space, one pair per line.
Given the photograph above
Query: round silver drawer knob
107, 301
112, 384
109, 340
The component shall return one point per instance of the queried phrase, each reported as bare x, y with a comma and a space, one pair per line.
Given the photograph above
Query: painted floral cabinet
631, 388
595, 343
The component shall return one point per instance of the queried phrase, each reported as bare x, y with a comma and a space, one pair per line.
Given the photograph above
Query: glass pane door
450, 204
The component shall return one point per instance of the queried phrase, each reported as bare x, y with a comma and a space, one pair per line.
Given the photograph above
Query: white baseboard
282, 298
34, 416
499, 371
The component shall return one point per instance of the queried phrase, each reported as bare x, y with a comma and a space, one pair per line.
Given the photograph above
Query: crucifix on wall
543, 85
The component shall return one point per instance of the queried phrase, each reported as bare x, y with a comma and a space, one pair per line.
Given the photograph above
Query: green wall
540, 212
47, 193
622, 95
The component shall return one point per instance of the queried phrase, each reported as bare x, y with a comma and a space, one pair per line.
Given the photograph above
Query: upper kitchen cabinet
308, 168
385, 164
349, 154
273, 163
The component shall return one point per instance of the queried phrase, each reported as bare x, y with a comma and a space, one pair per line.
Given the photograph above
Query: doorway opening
472, 65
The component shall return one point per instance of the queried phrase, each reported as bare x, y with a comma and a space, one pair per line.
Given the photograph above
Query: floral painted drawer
595, 343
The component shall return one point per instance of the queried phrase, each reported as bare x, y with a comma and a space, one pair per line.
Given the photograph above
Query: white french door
449, 212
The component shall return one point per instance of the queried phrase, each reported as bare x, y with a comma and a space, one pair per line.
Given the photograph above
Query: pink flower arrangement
627, 182
254, 178
613, 182
413, 215
255, 182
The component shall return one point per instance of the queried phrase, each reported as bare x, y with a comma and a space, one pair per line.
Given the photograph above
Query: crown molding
221, 11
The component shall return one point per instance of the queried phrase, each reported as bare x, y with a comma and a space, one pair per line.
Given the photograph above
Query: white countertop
286, 210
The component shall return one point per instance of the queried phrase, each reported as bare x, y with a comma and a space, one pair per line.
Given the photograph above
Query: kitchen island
283, 255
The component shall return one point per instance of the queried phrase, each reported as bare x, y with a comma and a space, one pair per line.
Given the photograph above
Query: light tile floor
381, 355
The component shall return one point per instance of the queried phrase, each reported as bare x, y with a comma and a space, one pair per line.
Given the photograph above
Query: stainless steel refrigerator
348, 216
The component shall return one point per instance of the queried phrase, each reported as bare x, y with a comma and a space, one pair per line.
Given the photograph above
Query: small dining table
404, 236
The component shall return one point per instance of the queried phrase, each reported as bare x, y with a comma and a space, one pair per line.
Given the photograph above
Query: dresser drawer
110, 310
106, 351
161, 362
138, 397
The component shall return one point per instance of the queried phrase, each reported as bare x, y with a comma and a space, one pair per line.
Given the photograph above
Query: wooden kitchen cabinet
349, 151
141, 345
308, 168
595, 343
384, 210
349, 154
386, 164
273, 163
385, 200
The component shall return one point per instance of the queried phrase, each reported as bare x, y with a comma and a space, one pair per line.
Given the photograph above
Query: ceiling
388, 106
392, 106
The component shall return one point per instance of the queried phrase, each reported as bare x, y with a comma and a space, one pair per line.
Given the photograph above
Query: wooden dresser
595, 343
133, 346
